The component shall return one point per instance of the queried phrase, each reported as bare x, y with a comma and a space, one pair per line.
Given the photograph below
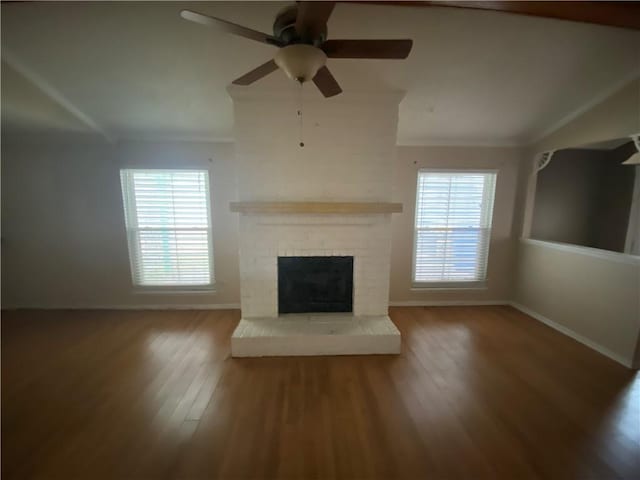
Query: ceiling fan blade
312, 18
326, 83
229, 27
256, 74
390, 49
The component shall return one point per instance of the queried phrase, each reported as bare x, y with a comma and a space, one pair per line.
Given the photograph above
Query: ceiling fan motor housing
284, 28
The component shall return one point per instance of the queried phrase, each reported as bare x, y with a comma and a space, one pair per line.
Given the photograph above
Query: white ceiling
140, 71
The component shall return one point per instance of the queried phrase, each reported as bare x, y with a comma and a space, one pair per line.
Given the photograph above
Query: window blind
453, 226
168, 227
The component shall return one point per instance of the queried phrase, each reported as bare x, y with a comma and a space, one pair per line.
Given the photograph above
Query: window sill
585, 251
421, 287
174, 290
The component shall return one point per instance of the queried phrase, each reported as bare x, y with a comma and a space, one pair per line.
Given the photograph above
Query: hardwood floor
478, 392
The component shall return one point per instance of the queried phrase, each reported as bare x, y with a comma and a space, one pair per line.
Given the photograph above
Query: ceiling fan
300, 32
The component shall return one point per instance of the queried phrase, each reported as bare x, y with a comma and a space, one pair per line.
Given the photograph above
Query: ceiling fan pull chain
300, 122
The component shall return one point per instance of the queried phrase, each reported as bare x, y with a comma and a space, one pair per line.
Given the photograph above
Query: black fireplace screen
315, 284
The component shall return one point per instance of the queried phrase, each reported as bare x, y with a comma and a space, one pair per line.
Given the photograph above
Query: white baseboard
410, 303
447, 303
576, 336
195, 306
229, 306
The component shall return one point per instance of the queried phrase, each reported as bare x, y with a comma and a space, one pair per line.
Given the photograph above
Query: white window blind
168, 227
453, 226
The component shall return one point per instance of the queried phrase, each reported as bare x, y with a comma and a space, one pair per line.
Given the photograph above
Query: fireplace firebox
315, 284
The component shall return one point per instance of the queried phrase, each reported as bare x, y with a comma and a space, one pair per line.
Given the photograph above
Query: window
453, 226
168, 227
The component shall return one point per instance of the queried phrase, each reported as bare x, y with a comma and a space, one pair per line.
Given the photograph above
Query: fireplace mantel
316, 207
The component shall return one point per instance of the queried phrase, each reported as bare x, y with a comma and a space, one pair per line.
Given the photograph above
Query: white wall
596, 299
502, 247
63, 233
349, 152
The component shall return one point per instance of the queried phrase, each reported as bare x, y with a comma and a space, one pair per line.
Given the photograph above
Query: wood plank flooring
477, 393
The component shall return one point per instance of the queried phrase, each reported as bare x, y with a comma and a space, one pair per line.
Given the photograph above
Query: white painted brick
349, 156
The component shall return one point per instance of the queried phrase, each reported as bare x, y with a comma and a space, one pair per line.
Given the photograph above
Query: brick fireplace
264, 238
331, 198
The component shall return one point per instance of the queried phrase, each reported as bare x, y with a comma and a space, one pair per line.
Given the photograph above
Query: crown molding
450, 142
241, 93
593, 102
52, 93
158, 138
66, 137
56, 138
312, 94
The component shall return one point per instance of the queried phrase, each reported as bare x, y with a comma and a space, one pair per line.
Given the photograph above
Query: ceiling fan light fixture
300, 62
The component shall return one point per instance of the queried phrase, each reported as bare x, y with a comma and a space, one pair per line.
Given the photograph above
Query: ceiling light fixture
300, 62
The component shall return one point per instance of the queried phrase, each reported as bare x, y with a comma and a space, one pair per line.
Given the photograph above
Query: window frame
129, 206
460, 284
